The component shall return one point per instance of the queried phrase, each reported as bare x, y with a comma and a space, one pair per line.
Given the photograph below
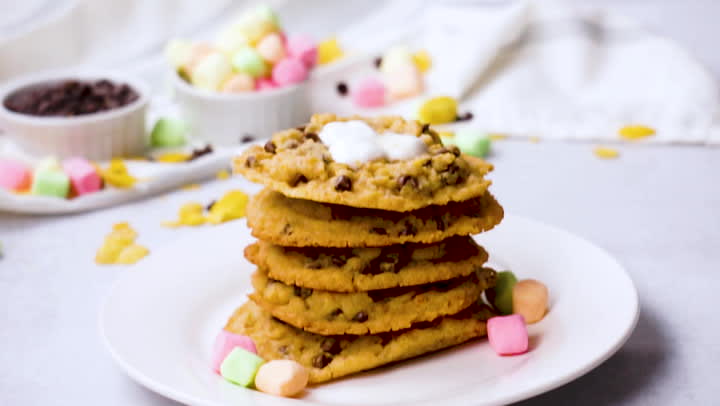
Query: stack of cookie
364, 258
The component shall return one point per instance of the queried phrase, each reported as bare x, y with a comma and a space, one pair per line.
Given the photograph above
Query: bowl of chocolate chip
96, 115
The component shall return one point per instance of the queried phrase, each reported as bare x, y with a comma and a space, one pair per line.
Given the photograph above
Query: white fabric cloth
527, 68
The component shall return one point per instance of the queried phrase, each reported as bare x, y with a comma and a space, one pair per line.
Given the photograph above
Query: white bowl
114, 133
223, 118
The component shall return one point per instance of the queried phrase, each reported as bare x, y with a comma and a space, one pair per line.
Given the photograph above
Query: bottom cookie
331, 357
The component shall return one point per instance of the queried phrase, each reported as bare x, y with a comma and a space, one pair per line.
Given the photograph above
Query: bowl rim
20, 82
181, 85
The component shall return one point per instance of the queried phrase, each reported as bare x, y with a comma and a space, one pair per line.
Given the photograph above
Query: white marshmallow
282, 377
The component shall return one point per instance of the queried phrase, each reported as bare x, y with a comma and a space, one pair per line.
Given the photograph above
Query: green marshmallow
48, 182
501, 295
168, 132
266, 13
240, 367
48, 164
248, 60
473, 142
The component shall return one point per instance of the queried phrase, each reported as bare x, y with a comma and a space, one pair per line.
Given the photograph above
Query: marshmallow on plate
14, 175
282, 378
508, 335
225, 342
84, 178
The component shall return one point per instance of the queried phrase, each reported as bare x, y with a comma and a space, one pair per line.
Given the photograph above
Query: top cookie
394, 171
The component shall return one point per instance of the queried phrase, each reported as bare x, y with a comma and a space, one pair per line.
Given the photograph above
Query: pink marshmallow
369, 93
288, 72
14, 175
303, 48
83, 176
508, 335
225, 342
265, 84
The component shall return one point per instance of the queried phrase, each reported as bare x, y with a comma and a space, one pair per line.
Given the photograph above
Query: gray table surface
654, 208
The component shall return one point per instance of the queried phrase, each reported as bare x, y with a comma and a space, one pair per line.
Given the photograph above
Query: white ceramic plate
160, 319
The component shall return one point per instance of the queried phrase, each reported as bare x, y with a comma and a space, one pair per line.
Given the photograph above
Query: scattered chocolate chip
378, 231
407, 180
377, 62
210, 205
250, 161
425, 128
409, 229
465, 117
331, 345
342, 88
246, 138
360, 317
334, 314
312, 136
302, 292
321, 360
283, 349
343, 183
298, 179
70, 98
198, 152
287, 229
270, 147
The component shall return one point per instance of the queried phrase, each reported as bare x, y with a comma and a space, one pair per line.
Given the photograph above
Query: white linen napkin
538, 68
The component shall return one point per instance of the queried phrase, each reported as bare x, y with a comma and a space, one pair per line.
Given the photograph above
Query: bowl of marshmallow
251, 80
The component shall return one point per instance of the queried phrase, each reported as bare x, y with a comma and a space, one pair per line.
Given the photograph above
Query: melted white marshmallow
354, 143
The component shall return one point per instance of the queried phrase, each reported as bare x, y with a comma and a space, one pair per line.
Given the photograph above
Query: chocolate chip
378, 231
391, 259
360, 317
312, 136
298, 179
338, 260
465, 117
407, 180
287, 229
331, 345
316, 264
270, 147
343, 183
198, 152
292, 144
302, 292
321, 360
334, 314
342, 88
250, 161
377, 62
425, 128
246, 138
409, 229
210, 205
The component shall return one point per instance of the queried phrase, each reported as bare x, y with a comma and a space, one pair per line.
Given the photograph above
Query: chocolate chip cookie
325, 312
294, 222
331, 357
361, 269
296, 163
